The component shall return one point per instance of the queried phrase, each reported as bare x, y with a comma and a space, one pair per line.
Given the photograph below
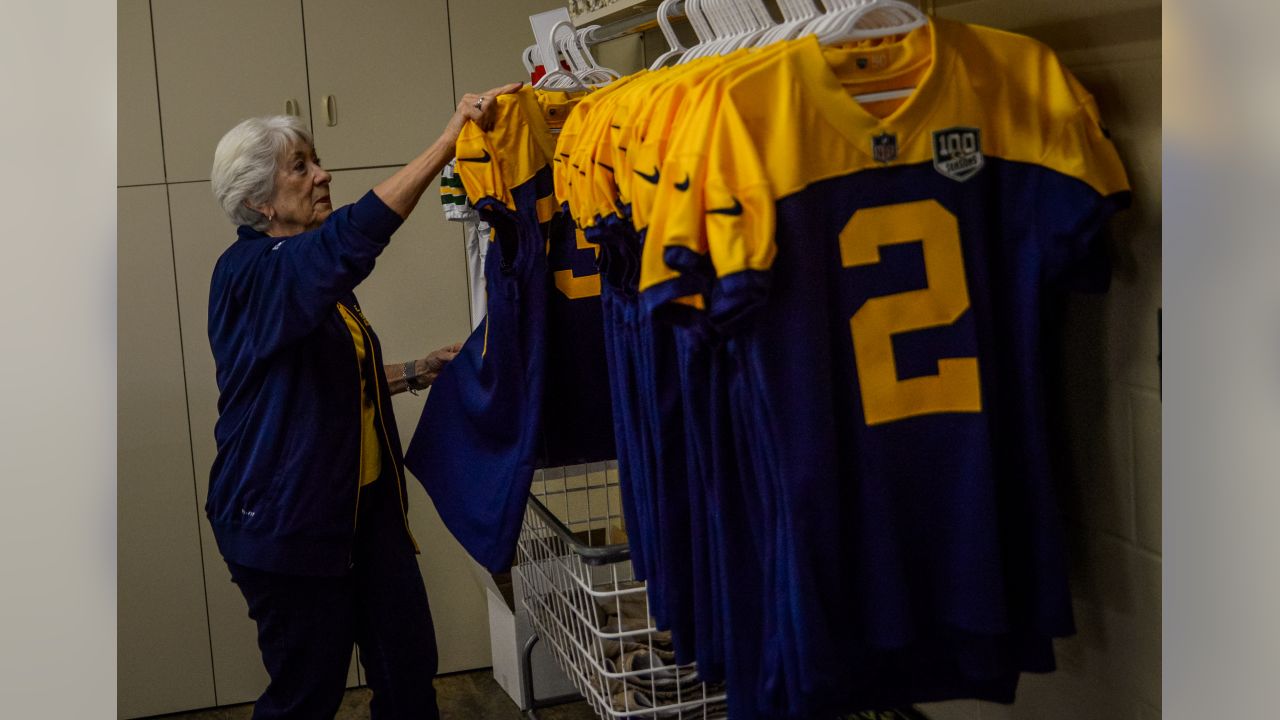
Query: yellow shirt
370, 448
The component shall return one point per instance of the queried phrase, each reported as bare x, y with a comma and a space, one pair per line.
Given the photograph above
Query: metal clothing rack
584, 602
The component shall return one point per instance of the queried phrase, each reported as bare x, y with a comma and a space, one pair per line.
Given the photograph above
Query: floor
471, 695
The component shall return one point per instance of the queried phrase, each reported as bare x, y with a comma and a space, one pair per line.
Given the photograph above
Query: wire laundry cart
585, 603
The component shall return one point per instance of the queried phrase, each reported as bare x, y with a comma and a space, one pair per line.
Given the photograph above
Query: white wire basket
585, 603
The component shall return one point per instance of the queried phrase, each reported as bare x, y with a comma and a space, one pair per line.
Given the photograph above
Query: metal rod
639, 22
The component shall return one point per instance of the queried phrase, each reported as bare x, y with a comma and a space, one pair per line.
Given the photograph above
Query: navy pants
307, 625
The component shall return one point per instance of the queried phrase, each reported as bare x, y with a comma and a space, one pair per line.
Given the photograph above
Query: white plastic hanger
877, 18
759, 21
713, 23
873, 19
840, 12
726, 20
737, 21
796, 14
526, 58
595, 71
674, 48
557, 78
834, 10
702, 30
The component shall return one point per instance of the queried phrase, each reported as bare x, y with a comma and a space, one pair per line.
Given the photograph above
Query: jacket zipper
355, 518
385, 438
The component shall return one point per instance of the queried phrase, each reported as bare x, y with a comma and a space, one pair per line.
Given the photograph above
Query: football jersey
881, 280
644, 370
638, 467
738, 512
475, 235
527, 388
654, 395
676, 524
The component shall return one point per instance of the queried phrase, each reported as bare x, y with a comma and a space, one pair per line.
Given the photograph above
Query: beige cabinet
200, 233
488, 37
219, 62
141, 160
163, 660
381, 78
372, 80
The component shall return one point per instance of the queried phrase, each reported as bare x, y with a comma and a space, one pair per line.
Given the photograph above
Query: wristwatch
411, 377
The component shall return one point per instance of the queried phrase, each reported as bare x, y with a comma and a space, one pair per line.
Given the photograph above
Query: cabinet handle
290, 108
330, 110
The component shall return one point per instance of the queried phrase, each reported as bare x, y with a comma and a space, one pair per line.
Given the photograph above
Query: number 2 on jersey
955, 388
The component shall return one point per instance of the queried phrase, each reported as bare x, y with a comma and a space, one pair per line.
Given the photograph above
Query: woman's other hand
429, 367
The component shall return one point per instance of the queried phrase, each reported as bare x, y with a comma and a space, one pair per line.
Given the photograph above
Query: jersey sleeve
478, 159
1075, 250
739, 219
493, 164
674, 261
565, 143
453, 197
602, 171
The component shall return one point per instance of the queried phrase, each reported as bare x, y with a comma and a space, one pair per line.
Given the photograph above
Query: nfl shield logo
884, 147
957, 152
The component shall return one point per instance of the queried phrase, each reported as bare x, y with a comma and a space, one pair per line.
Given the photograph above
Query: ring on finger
479, 103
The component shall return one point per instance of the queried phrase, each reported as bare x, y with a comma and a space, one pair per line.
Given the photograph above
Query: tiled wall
1112, 497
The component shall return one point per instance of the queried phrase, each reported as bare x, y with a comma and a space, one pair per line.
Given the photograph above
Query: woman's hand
429, 367
477, 107
404, 188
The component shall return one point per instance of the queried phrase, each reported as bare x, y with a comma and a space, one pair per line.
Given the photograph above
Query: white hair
244, 164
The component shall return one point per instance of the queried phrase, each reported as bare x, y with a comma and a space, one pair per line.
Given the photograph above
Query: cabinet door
381, 80
219, 62
140, 159
201, 231
163, 649
488, 37
416, 300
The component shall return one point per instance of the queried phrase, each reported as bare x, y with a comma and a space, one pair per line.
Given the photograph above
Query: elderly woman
307, 493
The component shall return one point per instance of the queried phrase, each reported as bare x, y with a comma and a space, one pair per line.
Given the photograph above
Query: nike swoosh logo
682, 186
483, 158
651, 178
735, 210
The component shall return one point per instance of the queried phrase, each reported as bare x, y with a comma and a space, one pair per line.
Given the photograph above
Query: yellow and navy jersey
570, 143
881, 274
674, 540
528, 388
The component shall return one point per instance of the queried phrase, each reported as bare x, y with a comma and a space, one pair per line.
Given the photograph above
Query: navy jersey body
476, 442
578, 413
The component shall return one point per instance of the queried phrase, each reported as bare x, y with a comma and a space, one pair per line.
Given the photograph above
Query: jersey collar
852, 120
